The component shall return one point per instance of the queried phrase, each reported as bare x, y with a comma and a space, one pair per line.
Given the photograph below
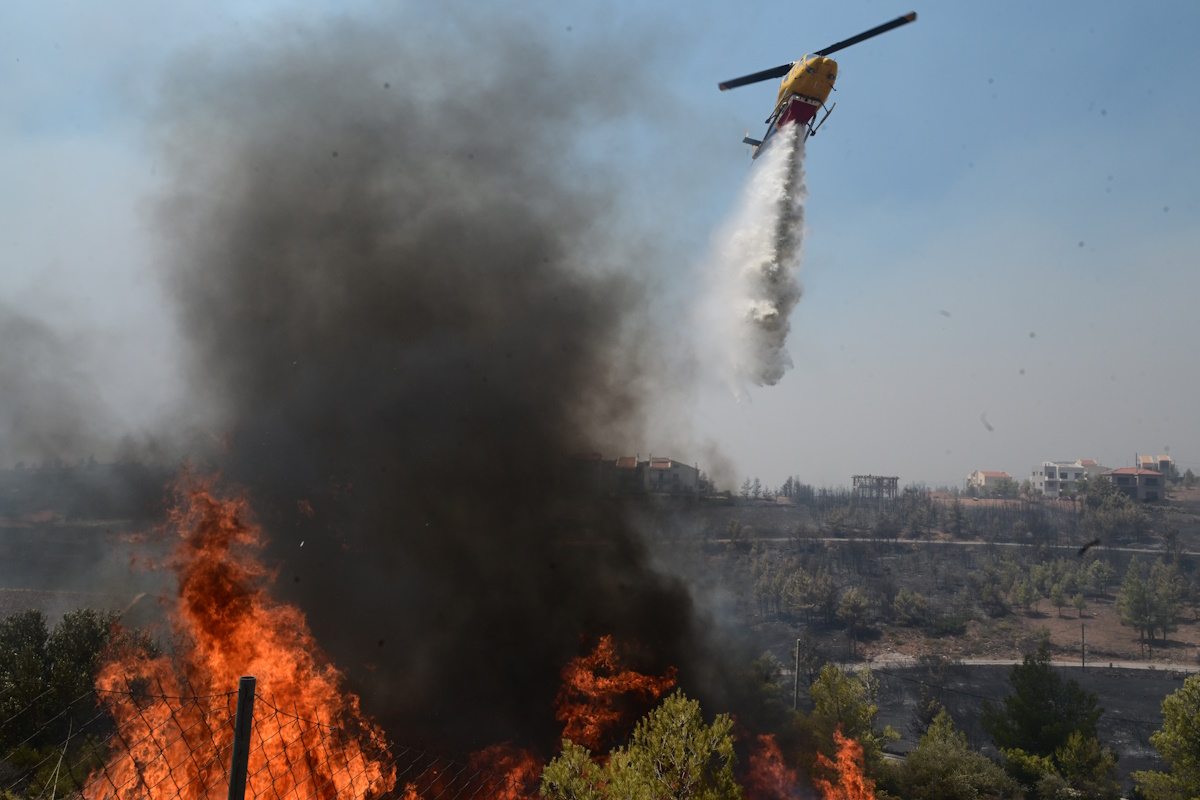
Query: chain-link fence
141, 742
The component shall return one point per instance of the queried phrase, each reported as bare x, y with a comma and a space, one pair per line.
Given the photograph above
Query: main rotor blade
862, 37
765, 75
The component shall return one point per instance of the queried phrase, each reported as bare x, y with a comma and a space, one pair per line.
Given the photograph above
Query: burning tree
769, 777
672, 754
173, 712
844, 706
846, 780
595, 691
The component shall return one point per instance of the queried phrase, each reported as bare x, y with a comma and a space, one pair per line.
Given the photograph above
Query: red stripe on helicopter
800, 109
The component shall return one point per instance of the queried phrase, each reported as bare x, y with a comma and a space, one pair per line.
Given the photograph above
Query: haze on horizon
1002, 222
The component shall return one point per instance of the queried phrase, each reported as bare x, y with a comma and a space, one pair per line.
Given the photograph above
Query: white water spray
752, 283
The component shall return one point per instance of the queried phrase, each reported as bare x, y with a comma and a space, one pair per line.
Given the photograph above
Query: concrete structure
1140, 484
1056, 478
1164, 464
984, 481
631, 475
875, 487
667, 476
1091, 467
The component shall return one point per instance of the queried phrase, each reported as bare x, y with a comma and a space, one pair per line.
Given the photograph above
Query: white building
1091, 468
1055, 478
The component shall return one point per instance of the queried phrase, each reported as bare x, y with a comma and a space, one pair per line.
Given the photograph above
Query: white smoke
751, 271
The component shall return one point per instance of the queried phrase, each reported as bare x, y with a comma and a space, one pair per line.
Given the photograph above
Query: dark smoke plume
395, 266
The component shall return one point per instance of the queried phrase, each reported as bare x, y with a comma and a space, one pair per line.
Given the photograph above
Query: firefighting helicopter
806, 85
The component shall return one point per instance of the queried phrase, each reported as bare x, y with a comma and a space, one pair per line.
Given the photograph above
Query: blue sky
992, 171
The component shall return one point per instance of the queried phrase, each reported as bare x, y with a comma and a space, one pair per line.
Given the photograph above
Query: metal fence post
241, 739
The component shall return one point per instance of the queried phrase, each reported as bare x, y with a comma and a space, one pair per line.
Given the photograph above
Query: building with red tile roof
985, 480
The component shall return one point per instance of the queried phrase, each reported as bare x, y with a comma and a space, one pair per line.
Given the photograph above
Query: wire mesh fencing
139, 742
136, 741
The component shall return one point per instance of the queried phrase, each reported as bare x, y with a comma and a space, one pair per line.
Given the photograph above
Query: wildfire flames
769, 778
851, 783
227, 626
515, 770
498, 772
591, 704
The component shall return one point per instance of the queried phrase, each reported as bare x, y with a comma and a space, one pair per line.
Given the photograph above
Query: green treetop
1178, 741
1043, 710
848, 701
672, 755
944, 767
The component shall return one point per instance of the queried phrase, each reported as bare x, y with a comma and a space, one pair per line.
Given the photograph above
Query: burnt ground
1131, 701
719, 545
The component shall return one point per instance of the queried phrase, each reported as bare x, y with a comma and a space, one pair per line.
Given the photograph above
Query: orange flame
588, 702
515, 773
227, 626
768, 777
498, 771
851, 783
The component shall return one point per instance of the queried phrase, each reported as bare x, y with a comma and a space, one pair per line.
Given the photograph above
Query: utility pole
796, 679
1083, 646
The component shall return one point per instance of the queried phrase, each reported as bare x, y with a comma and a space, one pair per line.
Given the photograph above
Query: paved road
899, 661
1149, 550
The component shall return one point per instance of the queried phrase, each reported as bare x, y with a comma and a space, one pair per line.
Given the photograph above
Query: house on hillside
984, 480
1056, 478
667, 476
1091, 467
631, 475
1140, 484
1164, 464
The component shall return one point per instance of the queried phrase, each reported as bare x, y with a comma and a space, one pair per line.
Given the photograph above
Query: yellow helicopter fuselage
806, 85
812, 77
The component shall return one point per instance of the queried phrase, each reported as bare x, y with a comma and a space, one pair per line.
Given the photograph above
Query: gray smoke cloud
49, 406
55, 429
752, 267
399, 272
